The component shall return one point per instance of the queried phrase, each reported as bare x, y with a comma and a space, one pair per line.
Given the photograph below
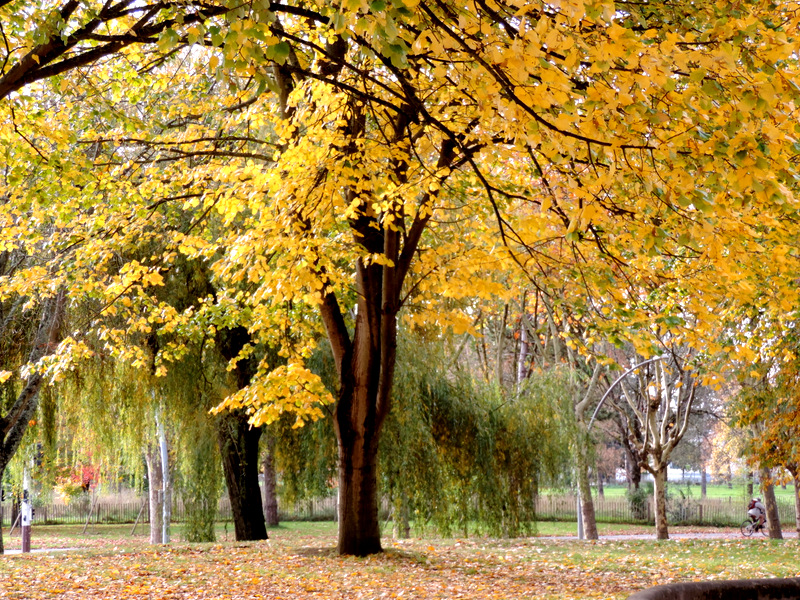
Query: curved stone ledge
739, 589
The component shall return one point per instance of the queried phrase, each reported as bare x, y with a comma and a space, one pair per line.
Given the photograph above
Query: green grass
721, 491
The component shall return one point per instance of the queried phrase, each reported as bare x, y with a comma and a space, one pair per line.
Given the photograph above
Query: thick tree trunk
270, 487
359, 523
660, 499
155, 482
238, 444
773, 518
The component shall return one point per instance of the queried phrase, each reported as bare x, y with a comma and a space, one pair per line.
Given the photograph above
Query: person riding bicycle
757, 511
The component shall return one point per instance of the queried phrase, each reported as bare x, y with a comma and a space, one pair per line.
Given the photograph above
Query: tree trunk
773, 519
166, 480
238, 445
155, 484
270, 491
703, 481
402, 527
660, 500
2, 549
15, 422
796, 477
600, 490
749, 486
359, 523
585, 490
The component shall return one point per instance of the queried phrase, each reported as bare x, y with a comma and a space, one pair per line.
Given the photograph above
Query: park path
717, 535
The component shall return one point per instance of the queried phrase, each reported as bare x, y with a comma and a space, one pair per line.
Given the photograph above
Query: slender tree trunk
773, 518
270, 491
587, 505
796, 478
155, 484
660, 499
402, 527
166, 480
600, 491
238, 444
703, 481
2, 472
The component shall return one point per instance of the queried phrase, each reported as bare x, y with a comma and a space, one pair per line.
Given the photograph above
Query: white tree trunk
166, 480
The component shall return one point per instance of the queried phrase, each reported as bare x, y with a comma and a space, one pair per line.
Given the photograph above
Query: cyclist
757, 511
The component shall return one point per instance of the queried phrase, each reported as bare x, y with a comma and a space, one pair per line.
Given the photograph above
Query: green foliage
639, 498
200, 478
457, 451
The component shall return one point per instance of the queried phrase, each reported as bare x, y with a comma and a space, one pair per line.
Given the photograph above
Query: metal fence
112, 511
681, 511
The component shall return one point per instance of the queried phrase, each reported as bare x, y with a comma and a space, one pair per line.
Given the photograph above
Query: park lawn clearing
300, 562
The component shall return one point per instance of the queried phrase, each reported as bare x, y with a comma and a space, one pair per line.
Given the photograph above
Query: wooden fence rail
721, 512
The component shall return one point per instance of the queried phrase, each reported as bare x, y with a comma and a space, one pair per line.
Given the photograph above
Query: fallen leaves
293, 565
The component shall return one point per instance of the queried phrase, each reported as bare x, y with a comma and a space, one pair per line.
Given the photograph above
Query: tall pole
26, 510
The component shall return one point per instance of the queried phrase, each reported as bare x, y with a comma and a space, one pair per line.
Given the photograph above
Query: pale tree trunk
166, 480
270, 487
582, 443
773, 519
600, 491
660, 500
522, 359
155, 483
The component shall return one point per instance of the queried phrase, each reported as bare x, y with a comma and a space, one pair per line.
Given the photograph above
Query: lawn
737, 492
299, 562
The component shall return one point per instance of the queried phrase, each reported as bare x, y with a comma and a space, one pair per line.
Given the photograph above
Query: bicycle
749, 527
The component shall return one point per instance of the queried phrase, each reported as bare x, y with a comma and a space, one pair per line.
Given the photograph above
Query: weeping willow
456, 451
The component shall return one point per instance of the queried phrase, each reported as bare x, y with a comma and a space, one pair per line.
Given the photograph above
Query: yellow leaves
5, 376
288, 388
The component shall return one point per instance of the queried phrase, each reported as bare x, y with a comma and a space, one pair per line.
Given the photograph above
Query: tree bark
587, 505
14, 423
238, 444
155, 484
166, 480
660, 500
796, 477
703, 481
773, 518
270, 487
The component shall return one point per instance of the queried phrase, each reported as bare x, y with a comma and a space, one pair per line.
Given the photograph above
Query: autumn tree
659, 397
645, 146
